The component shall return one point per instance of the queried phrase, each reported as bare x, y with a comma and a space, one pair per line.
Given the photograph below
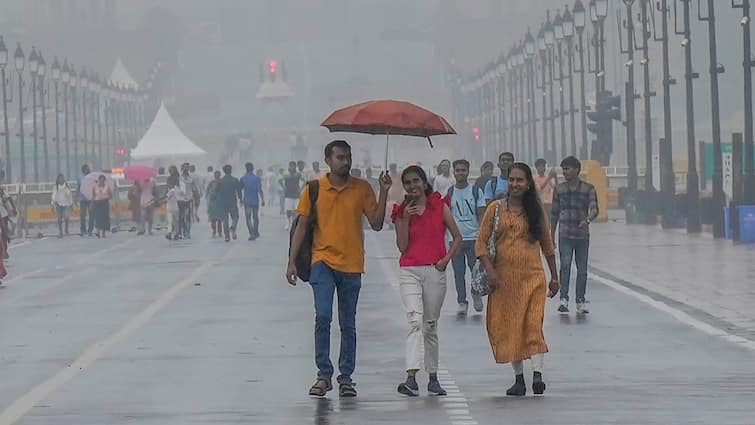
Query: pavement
141, 330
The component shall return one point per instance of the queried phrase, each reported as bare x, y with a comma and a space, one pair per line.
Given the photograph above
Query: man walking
575, 205
229, 194
337, 258
84, 205
497, 187
252, 185
546, 184
292, 185
467, 205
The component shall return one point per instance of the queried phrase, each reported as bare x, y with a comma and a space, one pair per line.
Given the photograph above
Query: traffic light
607, 109
120, 152
476, 132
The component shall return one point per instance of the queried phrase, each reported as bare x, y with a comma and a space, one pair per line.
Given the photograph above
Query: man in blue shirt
498, 187
252, 185
466, 207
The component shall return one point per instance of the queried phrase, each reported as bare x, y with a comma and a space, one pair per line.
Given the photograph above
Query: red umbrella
388, 117
139, 173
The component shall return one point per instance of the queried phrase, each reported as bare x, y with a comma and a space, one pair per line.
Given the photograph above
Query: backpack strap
493, 185
450, 193
314, 191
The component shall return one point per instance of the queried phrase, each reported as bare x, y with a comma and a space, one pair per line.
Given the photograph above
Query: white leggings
537, 364
422, 292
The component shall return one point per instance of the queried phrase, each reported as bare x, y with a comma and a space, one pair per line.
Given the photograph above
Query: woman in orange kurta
517, 303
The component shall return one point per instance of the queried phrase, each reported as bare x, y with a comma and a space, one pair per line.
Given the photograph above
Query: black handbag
303, 260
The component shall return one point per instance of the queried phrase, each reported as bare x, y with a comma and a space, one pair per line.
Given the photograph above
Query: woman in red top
421, 223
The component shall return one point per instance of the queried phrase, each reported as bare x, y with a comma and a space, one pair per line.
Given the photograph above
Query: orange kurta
516, 307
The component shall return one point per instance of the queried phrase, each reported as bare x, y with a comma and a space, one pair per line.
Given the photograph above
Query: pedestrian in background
337, 259
497, 187
85, 204
486, 173
443, 180
62, 199
467, 205
101, 194
229, 195
575, 206
252, 185
293, 181
185, 198
171, 203
421, 223
545, 181
214, 210
147, 199
516, 304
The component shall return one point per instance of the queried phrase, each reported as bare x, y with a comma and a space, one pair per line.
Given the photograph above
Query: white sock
537, 362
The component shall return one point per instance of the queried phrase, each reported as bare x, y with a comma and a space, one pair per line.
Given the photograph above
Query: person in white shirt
444, 180
62, 199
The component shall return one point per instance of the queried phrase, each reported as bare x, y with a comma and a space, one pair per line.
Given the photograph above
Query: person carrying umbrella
337, 258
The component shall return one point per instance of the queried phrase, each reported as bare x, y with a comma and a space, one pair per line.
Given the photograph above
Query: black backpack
303, 260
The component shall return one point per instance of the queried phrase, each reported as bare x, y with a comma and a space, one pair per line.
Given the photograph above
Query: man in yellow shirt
337, 258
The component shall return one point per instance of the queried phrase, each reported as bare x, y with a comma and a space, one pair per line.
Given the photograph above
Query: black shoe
519, 389
538, 386
409, 387
227, 239
433, 387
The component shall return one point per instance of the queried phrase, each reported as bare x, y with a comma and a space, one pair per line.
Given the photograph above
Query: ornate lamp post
55, 71
579, 23
529, 53
33, 70
3, 64
567, 23
20, 61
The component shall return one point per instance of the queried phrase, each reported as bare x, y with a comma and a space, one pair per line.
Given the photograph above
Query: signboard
726, 156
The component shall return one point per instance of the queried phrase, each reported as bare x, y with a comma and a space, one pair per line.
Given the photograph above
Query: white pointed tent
120, 76
164, 140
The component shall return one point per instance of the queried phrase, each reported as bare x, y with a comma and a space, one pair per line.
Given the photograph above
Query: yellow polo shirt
338, 235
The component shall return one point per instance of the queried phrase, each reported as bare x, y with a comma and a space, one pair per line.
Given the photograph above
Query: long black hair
422, 175
533, 209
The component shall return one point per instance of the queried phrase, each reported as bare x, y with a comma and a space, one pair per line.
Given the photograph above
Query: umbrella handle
386, 150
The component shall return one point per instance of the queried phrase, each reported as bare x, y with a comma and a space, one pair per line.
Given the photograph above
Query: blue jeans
460, 261
325, 283
573, 248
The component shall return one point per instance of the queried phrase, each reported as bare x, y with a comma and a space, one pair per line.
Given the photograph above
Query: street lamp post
55, 70
84, 89
665, 152
598, 9
93, 114
543, 64
629, 99
647, 95
579, 23
549, 40
3, 64
33, 68
749, 178
693, 189
719, 199
20, 60
529, 50
41, 70
567, 23
558, 31
522, 121
74, 82
65, 76
98, 107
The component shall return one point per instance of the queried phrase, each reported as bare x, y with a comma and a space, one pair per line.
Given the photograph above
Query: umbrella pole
386, 150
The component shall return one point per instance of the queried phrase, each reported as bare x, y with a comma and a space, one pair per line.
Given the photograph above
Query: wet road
143, 331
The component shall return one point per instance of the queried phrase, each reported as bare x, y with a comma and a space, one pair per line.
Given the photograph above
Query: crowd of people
505, 223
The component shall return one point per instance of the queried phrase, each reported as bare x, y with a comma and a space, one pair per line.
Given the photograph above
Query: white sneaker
462, 308
564, 307
581, 309
287, 226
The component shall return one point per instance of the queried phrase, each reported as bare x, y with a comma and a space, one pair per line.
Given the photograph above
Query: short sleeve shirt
463, 205
252, 188
501, 188
338, 236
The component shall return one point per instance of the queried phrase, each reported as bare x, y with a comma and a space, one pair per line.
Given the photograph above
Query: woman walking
171, 203
101, 195
62, 199
517, 303
147, 200
214, 209
421, 222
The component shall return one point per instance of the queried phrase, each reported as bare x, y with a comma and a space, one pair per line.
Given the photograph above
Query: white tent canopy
121, 77
164, 139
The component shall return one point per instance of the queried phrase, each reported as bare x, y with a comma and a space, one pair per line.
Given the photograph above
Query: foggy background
337, 52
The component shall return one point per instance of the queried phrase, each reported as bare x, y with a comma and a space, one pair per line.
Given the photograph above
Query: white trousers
423, 290
537, 364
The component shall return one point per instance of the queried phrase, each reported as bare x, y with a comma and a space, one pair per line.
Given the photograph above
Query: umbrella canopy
388, 117
139, 173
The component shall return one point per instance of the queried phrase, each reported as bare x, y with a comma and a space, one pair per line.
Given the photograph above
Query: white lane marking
451, 401
25, 403
679, 315
20, 244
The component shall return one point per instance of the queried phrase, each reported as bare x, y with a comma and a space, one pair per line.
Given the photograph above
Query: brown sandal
320, 387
